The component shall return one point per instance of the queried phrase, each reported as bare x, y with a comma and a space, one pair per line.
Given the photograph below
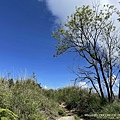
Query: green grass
27, 100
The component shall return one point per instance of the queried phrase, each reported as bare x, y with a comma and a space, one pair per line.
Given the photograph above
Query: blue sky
26, 44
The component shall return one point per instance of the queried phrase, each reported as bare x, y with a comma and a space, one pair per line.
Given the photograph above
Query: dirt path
69, 113
67, 118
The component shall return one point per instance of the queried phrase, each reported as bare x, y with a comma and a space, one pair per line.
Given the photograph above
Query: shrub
113, 108
61, 112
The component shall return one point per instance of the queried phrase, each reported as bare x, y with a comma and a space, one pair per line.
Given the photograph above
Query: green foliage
111, 108
26, 99
89, 104
77, 99
6, 114
61, 112
70, 94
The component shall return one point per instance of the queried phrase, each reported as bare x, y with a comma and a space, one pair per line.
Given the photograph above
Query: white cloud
63, 8
114, 79
45, 87
82, 85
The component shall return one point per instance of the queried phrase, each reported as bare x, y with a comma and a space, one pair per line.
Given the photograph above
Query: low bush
113, 108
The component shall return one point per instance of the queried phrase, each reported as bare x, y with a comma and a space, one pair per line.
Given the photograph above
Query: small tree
91, 33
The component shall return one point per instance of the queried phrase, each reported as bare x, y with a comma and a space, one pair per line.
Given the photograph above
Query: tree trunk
119, 92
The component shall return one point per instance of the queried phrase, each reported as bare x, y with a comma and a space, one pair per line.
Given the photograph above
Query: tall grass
26, 99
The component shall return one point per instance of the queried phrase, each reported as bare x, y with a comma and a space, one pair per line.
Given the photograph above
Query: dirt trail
67, 118
69, 113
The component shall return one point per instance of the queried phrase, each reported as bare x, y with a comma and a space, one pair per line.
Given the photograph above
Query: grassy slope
27, 100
